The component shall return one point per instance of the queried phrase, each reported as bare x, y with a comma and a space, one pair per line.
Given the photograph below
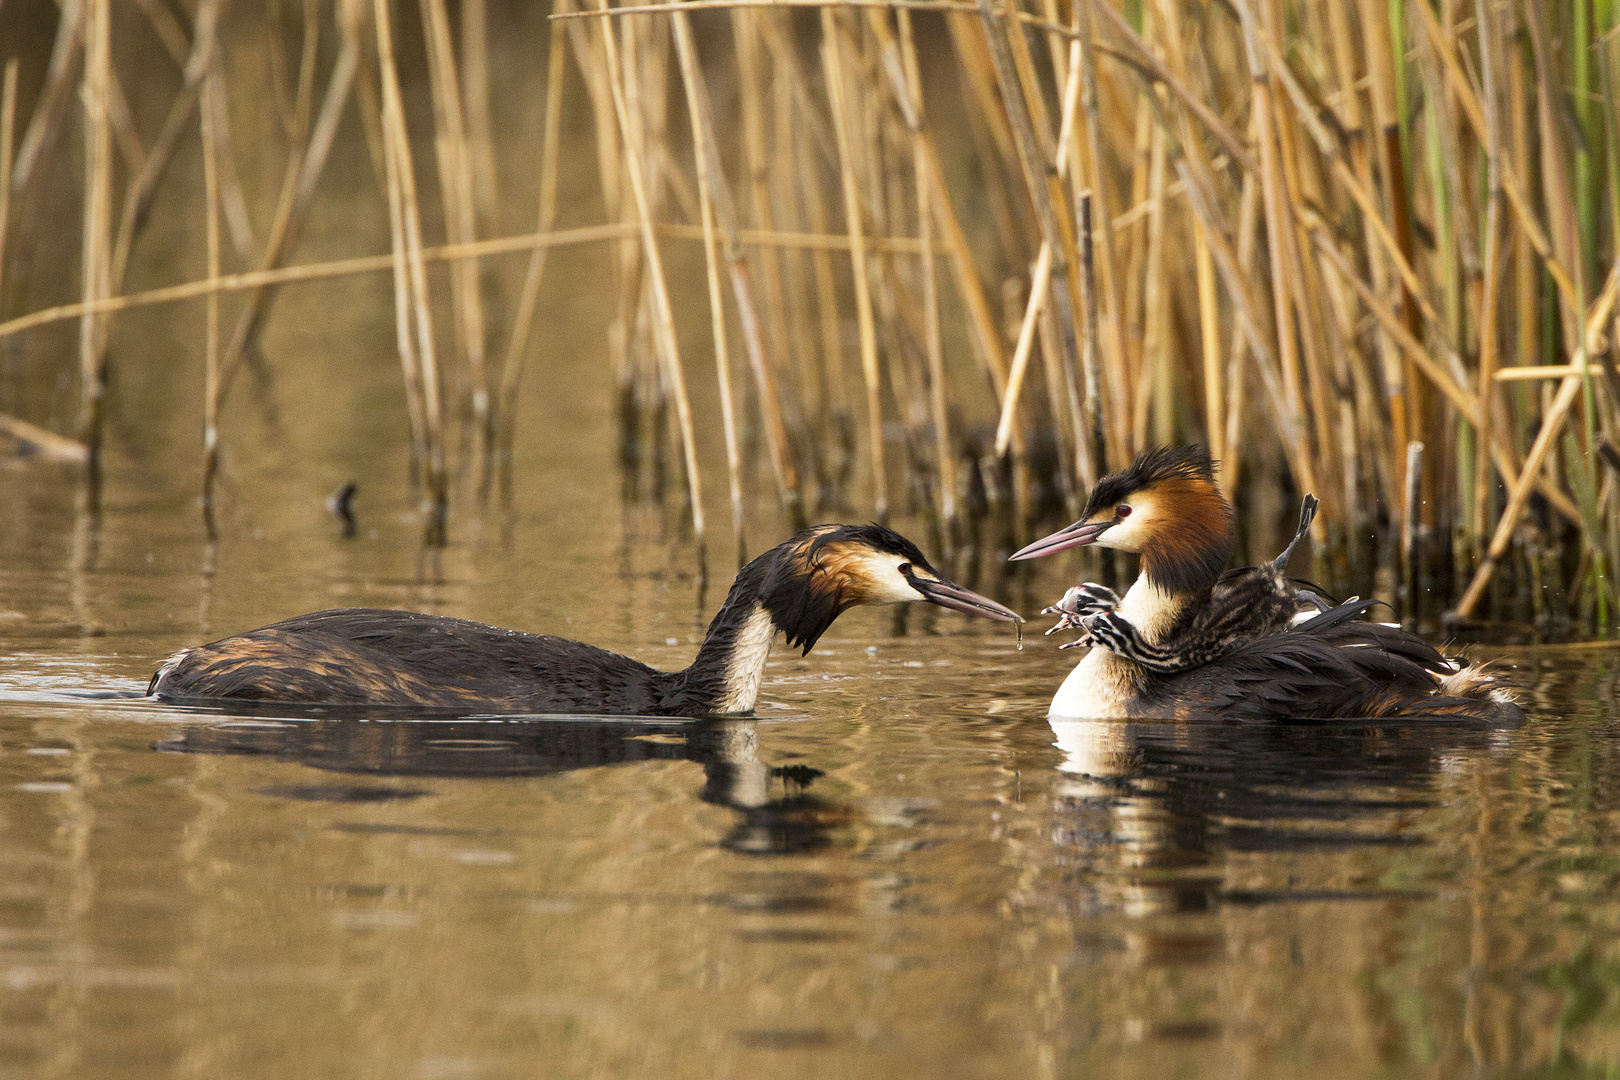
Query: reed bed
962, 258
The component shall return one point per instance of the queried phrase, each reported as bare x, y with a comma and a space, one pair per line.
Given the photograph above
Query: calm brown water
898, 869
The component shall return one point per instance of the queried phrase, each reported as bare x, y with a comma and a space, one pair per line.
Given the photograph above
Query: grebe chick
1246, 603
1187, 639
368, 656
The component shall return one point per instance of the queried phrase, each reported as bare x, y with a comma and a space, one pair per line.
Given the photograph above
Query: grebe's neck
1182, 560
726, 674
1154, 610
1190, 546
776, 592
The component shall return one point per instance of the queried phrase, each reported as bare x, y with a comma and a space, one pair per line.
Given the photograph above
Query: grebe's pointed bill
1077, 535
946, 595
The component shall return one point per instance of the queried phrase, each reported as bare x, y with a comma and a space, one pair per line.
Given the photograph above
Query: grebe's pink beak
947, 595
1077, 535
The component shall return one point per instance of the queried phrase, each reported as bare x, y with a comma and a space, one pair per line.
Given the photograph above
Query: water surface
898, 869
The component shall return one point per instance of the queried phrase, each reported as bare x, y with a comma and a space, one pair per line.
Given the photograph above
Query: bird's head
826, 570
1167, 507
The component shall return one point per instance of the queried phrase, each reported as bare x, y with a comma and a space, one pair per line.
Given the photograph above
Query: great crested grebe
374, 657
1188, 639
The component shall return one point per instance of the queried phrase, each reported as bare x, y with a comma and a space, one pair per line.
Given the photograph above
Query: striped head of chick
1167, 507
826, 570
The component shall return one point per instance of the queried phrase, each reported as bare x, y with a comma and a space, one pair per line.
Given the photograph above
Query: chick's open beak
947, 595
1076, 535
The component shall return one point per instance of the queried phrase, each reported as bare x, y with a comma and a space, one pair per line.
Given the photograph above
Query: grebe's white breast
1102, 685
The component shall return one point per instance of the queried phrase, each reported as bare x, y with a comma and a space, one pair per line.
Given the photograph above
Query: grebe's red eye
1123, 510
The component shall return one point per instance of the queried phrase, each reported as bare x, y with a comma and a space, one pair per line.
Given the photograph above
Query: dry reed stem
505, 406
1411, 513
944, 458
143, 185
96, 259
1090, 446
969, 285
1041, 177
1040, 278
402, 183
122, 122
808, 182
724, 208
42, 124
8, 127
756, 171
1107, 298
232, 200
454, 155
1278, 226
668, 349
1248, 228
1465, 403
717, 303
1518, 498
1209, 325
1474, 112
168, 29
404, 335
363, 264
211, 216
42, 441
1405, 404
831, 49
1251, 318
1488, 343
302, 175
475, 84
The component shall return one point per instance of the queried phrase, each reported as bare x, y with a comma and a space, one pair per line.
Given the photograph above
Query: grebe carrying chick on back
364, 656
1187, 639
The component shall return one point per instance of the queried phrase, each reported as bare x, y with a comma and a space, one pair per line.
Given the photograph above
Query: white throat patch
747, 664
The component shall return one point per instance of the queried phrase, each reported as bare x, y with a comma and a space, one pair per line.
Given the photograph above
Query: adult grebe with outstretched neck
1187, 638
369, 656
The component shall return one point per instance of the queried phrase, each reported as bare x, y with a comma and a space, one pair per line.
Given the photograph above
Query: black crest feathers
804, 587
1151, 468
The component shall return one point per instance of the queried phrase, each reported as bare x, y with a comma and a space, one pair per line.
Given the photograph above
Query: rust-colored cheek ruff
1192, 540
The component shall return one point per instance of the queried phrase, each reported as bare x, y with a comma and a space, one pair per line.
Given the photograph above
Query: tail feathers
1307, 514
1497, 708
1478, 682
1453, 688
